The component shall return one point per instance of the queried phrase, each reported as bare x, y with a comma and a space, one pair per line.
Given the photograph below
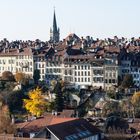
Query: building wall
97, 76
16, 64
111, 76
82, 74
25, 64
54, 71
7, 63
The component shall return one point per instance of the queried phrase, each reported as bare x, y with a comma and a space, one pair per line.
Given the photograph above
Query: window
50, 70
54, 70
70, 72
66, 73
43, 77
42, 71
114, 74
113, 80
78, 73
78, 79
47, 70
94, 79
9, 61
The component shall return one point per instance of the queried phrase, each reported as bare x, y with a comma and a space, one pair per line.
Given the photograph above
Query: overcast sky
32, 19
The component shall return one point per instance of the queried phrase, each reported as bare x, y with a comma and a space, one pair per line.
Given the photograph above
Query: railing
5, 137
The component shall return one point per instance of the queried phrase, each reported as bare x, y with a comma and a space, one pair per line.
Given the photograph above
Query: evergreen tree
36, 76
59, 100
15, 101
127, 81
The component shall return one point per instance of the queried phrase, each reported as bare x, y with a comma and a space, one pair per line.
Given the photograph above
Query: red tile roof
39, 123
14, 52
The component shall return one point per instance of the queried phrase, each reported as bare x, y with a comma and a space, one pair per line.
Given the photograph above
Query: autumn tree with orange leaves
19, 77
136, 103
36, 104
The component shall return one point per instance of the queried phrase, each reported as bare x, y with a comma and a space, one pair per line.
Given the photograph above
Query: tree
36, 103
59, 100
19, 77
111, 94
6, 125
53, 84
127, 108
119, 80
36, 76
51, 106
8, 76
136, 103
111, 107
15, 101
117, 123
136, 98
127, 81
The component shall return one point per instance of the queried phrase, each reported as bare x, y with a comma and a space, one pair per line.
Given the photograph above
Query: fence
7, 137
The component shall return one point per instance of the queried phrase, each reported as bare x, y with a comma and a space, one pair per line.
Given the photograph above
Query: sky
32, 19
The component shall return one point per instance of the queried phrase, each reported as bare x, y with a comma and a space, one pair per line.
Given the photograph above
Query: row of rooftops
74, 47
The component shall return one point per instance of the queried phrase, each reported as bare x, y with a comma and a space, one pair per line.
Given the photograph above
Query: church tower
54, 32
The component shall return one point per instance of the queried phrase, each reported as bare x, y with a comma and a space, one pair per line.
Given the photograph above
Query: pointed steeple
54, 33
54, 23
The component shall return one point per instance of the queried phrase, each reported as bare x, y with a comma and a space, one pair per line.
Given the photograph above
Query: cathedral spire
54, 23
54, 32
